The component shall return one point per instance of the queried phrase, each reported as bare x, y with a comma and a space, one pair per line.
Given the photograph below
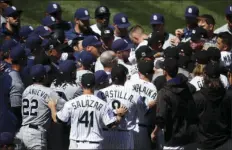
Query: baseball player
117, 95
65, 84
88, 115
148, 91
39, 103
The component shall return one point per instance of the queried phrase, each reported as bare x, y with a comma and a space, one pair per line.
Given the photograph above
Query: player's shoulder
223, 28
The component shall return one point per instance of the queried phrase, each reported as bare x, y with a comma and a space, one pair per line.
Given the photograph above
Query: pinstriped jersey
117, 95
89, 115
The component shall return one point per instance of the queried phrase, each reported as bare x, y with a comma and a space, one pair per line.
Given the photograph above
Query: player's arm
52, 106
64, 114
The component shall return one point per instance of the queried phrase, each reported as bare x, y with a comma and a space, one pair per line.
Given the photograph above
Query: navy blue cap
42, 31
48, 21
33, 42
11, 11
101, 77
91, 41
229, 10
86, 58
121, 45
82, 14
25, 31
17, 52
121, 20
5, 1
67, 66
8, 44
191, 11
6, 138
72, 41
157, 19
53, 7
39, 70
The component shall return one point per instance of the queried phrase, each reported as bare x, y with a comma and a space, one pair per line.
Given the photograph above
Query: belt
93, 142
145, 126
33, 126
119, 130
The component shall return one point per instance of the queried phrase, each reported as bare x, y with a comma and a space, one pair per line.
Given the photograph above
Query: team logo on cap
102, 9
123, 19
193, 31
52, 18
143, 54
54, 6
155, 17
30, 27
190, 10
230, 8
13, 7
95, 37
107, 31
46, 28
125, 41
51, 46
86, 13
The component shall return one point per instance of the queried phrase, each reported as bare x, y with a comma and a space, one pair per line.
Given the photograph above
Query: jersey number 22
27, 104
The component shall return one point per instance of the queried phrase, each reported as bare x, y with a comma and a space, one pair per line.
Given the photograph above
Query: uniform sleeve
16, 94
161, 109
65, 113
108, 116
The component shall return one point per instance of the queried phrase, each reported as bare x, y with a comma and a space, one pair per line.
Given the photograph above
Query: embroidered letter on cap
123, 19
53, 19
54, 6
155, 17
102, 9
46, 28
193, 31
230, 8
143, 54
86, 13
30, 27
190, 10
107, 31
13, 7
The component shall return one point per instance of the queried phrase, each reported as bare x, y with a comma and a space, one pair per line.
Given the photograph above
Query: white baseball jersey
226, 58
35, 108
197, 81
223, 28
117, 95
66, 90
95, 29
88, 116
98, 65
79, 75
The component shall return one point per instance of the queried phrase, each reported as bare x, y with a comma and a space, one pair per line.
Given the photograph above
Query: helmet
102, 11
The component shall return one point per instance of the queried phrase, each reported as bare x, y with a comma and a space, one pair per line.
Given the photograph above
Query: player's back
35, 108
117, 95
87, 118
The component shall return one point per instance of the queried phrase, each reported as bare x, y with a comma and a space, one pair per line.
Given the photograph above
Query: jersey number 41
87, 119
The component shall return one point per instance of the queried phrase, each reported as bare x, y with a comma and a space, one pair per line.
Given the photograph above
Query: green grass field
139, 11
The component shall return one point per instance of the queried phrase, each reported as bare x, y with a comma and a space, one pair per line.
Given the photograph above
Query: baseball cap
11, 11
88, 80
48, 21
229, 10
183, 61
208, 18
5, 1
198, 34
107, 33
121, 20
25, 31
42, 31
214, 53
146, 67
171, 52
157, 19
6, 138
8, 44
86, 58
120, 45
82, 14
101, 77
39, 70
119, 72
213, 70
17, 52
53, 8
202, 57
143, 52
74, 39
33, 42
155, 37
170, 65
184, 49
91, 41
191, 11
102, 11
67, 66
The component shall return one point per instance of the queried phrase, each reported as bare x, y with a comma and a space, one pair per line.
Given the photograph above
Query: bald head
136, 34
108, 59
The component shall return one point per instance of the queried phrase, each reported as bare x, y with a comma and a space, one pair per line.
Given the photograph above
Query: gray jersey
35, 108
89, 115
117, 95
66, 90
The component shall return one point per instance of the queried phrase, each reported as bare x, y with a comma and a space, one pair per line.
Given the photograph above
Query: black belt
33, 126
119, 130
143, 125
88, 142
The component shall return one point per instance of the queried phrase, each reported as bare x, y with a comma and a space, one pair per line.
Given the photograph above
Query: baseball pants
141, 138
32, 137
115, 139
84, 145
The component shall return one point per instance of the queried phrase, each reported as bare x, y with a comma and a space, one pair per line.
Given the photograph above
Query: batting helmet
102, 11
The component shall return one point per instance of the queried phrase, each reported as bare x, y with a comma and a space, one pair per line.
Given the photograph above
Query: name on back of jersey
39, 93
111, 94
87, 103
143, 89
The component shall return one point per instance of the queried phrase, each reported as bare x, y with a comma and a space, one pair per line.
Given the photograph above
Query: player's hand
121, 111
157, 55
179, 32
153, 137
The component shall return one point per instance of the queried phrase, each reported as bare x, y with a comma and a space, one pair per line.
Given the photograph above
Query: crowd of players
72, 85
